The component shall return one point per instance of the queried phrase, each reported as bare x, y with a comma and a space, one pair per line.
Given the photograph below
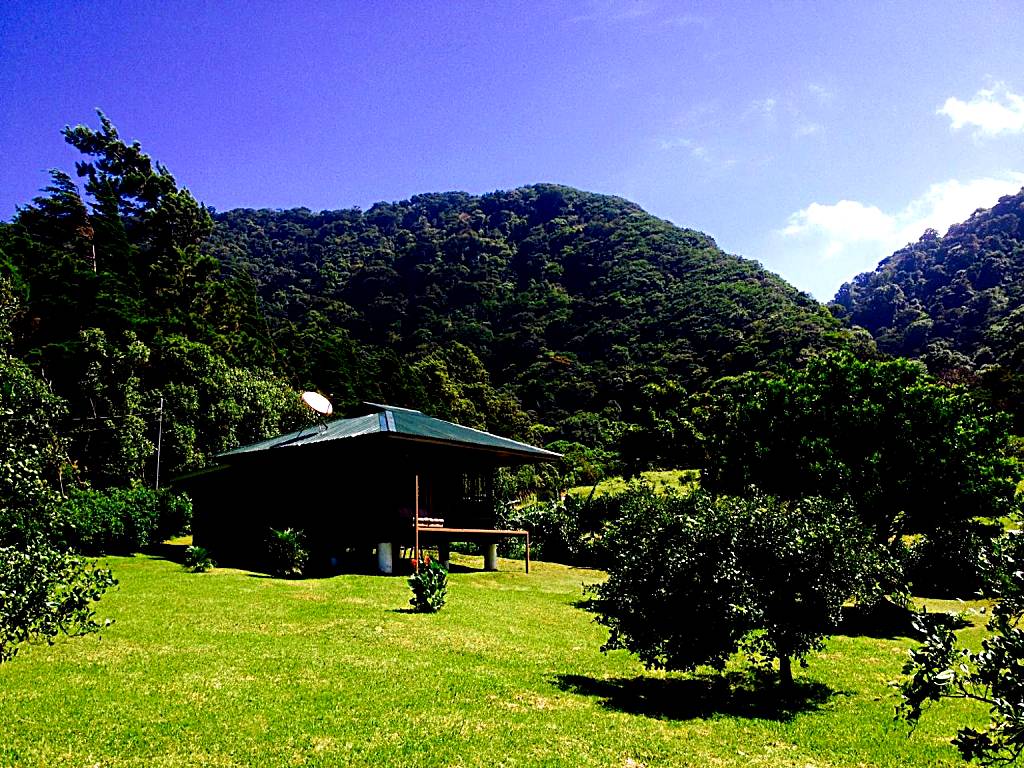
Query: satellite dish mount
318, 404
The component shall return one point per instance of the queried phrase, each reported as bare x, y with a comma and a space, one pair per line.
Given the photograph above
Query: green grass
660, 480
230, 669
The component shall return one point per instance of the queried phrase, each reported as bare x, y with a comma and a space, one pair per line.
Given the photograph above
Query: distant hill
571, 301
957, 301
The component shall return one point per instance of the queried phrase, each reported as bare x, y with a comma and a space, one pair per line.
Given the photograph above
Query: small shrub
286, 553
571, 531
941, 668
429, 587
198, 560
174, 515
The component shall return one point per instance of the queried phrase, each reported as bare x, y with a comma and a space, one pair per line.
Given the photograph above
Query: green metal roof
401, 423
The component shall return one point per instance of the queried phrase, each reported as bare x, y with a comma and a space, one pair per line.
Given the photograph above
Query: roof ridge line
485, 432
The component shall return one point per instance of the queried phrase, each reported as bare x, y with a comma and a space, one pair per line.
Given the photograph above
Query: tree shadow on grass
888, 621
174, 553
737, 694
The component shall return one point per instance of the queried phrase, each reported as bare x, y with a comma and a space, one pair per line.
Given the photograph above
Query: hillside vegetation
580, 306
955, 301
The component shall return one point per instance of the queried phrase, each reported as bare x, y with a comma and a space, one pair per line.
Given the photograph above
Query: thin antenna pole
417, 519
159, 441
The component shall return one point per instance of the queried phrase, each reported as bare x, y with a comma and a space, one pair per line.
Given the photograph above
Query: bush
947, 562
570, 531
122, 520
45, 592
429, 586
198, 559
756, 574
286, 553
940, 668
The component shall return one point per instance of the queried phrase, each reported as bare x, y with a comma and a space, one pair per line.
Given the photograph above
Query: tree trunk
786, 671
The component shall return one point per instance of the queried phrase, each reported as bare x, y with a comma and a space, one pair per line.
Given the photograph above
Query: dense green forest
954, 301
586, 312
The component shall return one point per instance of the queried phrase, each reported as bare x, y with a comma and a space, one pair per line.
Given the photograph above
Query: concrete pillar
444, 554
490, 557
385, 557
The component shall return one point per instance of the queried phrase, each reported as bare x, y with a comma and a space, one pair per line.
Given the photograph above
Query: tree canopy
912, 454
692, 579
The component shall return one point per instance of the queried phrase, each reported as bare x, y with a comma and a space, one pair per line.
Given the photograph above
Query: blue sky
814, 137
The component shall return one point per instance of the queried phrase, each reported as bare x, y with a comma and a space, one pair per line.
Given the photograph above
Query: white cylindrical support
386, 557
490, 557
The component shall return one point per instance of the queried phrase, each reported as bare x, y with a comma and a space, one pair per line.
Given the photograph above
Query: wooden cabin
392, 480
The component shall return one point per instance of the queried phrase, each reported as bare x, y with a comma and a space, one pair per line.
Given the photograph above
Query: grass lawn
660, 480
230, 668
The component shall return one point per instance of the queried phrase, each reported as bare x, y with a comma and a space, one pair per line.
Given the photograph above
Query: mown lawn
229, 668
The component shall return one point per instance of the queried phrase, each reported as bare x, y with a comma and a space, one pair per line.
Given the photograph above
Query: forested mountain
579, 305
956, 301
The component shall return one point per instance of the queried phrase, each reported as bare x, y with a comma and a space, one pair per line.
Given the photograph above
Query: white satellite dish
318, 403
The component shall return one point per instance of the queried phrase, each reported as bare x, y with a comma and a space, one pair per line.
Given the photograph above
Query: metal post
416, 565
159, 441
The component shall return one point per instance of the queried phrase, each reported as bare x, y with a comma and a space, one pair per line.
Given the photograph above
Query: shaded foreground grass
221, 669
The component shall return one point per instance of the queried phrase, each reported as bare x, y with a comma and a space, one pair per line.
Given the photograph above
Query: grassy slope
660, 480
226, 668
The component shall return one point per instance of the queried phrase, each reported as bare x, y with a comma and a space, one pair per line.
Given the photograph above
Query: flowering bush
429, 586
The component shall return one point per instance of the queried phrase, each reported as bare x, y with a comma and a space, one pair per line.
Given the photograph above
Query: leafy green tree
107, 274
940, 668
33, 461
755, 573
112, 436
43, 591
913, 455
211, 406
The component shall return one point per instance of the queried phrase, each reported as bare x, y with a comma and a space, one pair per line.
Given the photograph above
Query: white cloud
611, 11
696, 150
688, 20
807, 129
620, 11
762, 106
992, 111
840, 224
823, 95
829, 243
